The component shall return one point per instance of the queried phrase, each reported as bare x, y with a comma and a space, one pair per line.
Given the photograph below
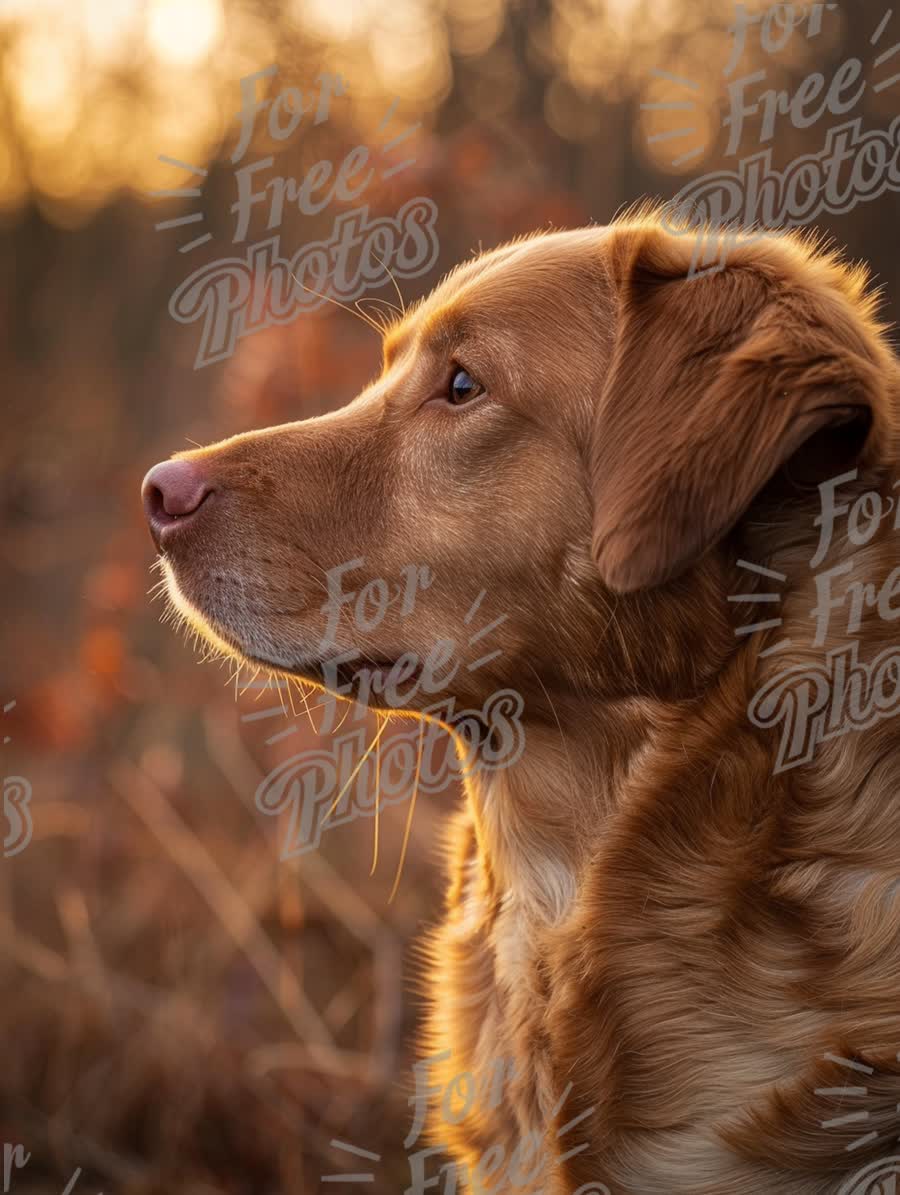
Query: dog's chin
365, 679
236, 638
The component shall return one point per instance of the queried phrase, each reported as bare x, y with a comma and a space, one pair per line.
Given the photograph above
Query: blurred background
180, 1009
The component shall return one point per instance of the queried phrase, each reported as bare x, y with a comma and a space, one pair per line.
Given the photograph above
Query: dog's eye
463, 388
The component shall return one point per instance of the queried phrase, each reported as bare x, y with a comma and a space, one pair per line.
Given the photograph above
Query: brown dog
679, 920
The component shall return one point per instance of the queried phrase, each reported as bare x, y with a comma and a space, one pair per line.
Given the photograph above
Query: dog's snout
172, 492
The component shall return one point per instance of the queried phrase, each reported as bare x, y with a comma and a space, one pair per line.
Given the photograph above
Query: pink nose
172, 492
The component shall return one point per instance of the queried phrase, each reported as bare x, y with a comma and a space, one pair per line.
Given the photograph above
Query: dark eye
463, 388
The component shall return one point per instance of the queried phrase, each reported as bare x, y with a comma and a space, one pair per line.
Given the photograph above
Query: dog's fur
642, 906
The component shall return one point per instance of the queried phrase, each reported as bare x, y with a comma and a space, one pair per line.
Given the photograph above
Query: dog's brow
441, 330
393, 343
436, 334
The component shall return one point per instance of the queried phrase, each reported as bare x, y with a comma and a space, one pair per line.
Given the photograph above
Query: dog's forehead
504, 278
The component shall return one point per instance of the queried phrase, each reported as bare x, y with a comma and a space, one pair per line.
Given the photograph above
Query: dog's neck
537, 819
540, 822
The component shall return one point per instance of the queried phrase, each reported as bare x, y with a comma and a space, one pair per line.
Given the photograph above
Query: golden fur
642, 906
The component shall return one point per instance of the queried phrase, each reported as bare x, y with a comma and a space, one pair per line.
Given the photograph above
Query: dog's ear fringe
773, 348
654, 244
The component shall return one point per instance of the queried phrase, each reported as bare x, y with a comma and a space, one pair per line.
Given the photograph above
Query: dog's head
562, 438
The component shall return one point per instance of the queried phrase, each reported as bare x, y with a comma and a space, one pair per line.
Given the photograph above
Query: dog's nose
172, 492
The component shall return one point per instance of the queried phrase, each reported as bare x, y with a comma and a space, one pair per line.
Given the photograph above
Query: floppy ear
715, 382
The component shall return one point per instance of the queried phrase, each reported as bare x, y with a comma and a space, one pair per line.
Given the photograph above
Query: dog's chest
489, 1015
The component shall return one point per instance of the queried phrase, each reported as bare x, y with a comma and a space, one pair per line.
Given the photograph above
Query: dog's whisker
347, 712
355, 772
250, 682
330, 298
383, 303
281, 691
290, 696
381, 318
377, 800
390, 274
410, 814
357, 303
304, 698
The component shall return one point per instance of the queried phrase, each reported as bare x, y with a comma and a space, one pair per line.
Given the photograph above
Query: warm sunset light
450, 525
79, 135
183, 34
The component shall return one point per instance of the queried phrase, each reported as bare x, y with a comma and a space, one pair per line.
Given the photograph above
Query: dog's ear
715, 381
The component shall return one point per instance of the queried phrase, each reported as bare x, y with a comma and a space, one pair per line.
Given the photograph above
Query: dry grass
188, 1012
